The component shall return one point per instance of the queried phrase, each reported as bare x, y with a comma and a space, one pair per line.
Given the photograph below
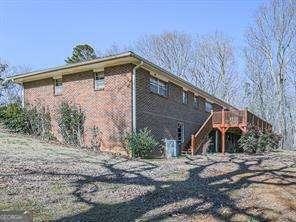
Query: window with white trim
158, 86
209, 107
99, 81
184, 97
195, 102
58, 86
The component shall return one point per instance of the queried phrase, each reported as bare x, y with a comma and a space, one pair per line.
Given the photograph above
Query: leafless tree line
9, 92
270, 56
206, 61
209, 62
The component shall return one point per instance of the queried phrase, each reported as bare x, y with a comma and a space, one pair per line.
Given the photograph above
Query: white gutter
65, 67
134, 97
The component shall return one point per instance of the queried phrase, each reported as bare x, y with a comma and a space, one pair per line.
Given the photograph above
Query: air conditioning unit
171, 148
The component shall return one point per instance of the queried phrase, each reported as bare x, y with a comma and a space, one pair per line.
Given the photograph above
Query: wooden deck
225, 120
239, 118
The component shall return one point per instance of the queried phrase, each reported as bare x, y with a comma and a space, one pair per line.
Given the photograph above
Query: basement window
58, 87
209, 107
159, 87
184, 97
195, 102
99, 81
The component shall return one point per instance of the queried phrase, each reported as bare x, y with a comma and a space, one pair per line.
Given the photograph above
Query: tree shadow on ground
199, 194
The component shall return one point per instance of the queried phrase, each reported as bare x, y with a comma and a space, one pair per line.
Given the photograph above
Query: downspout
134, 97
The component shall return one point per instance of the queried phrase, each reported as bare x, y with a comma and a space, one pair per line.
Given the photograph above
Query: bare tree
10, 92
258, 81
3, 85
3, 67
208, 62
214, 68
171, 50
272, 38
116, 49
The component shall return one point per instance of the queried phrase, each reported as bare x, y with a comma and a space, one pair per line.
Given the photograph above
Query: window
209, 107
58, 87
158, 86
184, 97
99, 81
180, 133
195, 102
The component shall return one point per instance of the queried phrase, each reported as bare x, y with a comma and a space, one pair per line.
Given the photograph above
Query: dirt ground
67, 184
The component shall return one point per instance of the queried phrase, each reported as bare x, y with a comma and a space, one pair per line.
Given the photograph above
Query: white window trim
159, 84
99, 81
184, 97
58, 89
195, 102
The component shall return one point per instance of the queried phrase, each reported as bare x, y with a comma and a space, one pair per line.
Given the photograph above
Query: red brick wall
162, 114
109, 109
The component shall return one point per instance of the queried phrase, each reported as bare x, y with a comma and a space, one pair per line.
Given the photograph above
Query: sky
41, 34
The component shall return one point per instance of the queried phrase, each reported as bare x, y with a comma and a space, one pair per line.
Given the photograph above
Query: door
180, 133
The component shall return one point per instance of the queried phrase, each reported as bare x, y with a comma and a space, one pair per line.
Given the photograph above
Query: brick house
125, 93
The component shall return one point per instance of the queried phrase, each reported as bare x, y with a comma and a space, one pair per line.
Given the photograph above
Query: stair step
186, 151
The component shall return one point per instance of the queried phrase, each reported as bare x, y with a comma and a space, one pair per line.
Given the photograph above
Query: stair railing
198, 138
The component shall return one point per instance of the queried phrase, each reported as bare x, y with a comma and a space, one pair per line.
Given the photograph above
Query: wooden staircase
222, 121
186, 149
199, 138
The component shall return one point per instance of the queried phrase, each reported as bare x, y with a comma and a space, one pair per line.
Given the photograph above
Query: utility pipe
134, 96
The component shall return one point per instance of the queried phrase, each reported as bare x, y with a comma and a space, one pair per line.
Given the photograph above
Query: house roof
123, 58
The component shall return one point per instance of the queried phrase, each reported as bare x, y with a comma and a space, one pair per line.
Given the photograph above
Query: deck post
223, 131
223, 140
223, 117
216, 141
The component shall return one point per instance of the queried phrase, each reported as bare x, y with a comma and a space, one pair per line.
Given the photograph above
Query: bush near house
71, 123
32, 120
35, 120
255, 141
13, 118
140, 144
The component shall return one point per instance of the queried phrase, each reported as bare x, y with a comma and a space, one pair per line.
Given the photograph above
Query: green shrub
268, 142
249, 141
32, 120
255, 141
14, 118
141, 144
71, 123
2, 112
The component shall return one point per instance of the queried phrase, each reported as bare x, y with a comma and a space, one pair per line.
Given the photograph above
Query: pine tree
81, 53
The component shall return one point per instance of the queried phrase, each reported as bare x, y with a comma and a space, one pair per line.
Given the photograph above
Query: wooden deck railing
236, 118
257, 122
198, 138
229, 118
223, 120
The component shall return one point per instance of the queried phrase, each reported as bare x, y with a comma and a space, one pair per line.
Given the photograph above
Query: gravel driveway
65, 184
